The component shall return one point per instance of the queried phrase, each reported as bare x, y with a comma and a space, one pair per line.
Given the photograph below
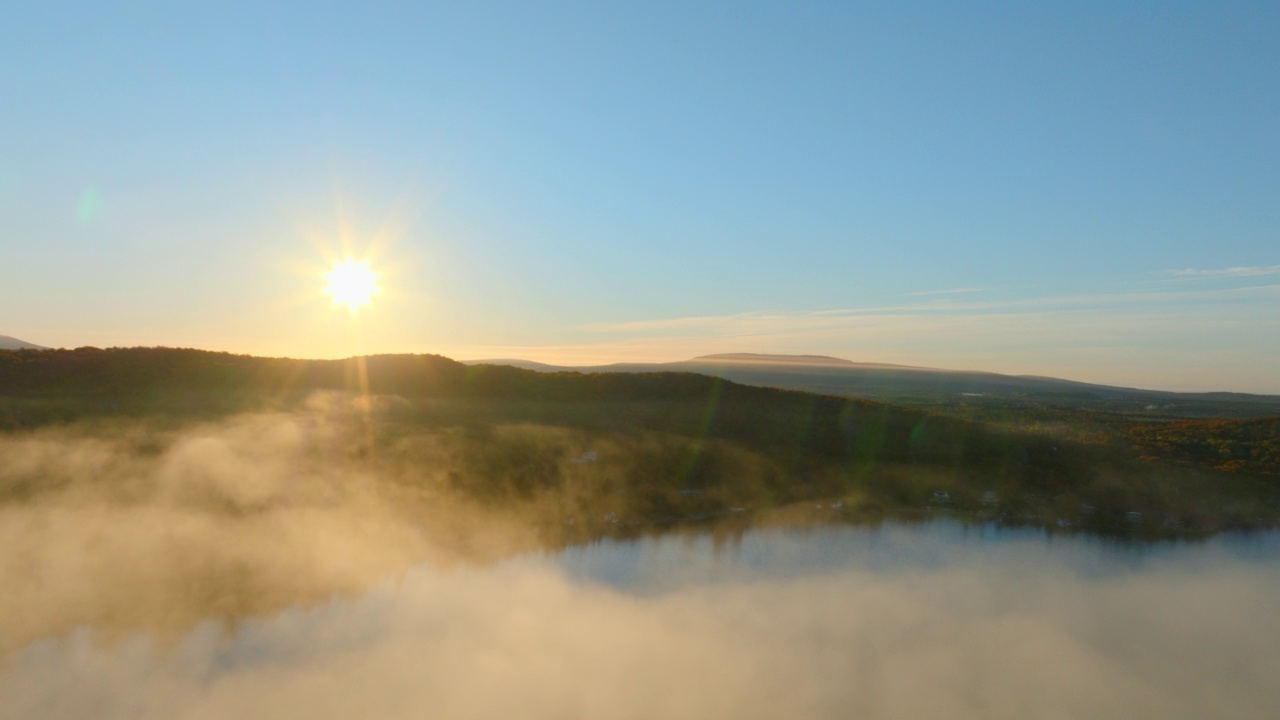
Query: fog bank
136, 525
784, 625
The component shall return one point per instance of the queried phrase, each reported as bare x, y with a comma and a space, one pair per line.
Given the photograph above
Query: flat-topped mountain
788, 360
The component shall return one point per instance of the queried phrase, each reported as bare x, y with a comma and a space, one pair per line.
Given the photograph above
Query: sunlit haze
1079, 190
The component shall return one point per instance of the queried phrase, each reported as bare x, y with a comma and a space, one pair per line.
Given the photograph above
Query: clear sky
1086, 190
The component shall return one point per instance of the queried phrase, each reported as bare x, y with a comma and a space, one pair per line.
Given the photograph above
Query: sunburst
352, 284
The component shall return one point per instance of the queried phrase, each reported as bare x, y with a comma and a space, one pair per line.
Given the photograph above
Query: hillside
664, 447
1251, 446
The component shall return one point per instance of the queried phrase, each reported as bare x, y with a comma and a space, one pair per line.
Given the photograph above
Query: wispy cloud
953, 291
1094, 303
1242, 271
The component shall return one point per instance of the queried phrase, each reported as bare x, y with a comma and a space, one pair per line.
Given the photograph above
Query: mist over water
286, 565
892, 622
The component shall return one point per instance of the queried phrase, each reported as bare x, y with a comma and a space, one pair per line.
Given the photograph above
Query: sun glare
352, 284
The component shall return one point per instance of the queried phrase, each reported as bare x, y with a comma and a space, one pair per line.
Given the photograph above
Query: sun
352, 284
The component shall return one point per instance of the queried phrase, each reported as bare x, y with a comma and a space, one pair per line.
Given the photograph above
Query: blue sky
1086, 190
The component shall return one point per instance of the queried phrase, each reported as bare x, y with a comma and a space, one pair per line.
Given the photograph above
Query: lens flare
351, 284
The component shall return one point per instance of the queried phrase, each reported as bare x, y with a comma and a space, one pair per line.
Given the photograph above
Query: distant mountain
788, 360
905, 384
12, 343
524, 364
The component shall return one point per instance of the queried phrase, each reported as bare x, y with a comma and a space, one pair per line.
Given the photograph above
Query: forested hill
683, 432
141, 375
56, 386
154, 377
38, 388
87, 381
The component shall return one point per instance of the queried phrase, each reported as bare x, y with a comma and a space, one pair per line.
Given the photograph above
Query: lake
938, 620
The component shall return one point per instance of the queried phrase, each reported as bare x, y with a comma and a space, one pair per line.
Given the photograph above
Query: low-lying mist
133, 525
1037, 629
332, 561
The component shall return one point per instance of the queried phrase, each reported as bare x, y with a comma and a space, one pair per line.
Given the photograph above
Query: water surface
938, 621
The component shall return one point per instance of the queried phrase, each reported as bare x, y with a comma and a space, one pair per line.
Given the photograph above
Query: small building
1133, 517
990, 498
941, 496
